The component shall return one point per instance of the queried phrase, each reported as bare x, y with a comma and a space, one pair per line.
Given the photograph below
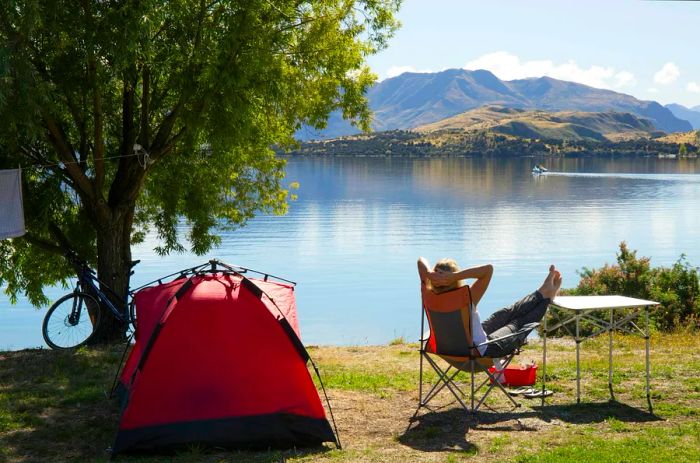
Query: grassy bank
53, 409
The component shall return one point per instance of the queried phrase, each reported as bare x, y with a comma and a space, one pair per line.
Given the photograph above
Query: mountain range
414, 99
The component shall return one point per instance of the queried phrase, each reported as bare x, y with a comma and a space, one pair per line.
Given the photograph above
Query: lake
352, 238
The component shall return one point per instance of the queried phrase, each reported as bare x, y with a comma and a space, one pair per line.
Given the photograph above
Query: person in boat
446, 276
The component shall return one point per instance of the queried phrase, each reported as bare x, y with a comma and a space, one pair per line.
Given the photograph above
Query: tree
682, 150
147, 113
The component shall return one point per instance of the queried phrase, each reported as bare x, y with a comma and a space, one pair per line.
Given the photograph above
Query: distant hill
563, 125
691, 115
414, 99
689, 138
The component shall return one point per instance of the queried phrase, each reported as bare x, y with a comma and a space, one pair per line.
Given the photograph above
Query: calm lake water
352, 238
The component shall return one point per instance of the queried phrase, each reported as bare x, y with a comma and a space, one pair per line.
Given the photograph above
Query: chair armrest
525, 329
425, 336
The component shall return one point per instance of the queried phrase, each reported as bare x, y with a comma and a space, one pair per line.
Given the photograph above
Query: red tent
218, 361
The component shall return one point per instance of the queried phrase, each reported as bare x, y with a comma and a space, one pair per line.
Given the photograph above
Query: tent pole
328, 402
119, 367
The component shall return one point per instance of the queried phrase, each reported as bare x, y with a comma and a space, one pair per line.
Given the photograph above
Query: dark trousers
530, 309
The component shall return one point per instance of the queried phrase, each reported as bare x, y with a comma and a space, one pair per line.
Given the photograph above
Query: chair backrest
449, 318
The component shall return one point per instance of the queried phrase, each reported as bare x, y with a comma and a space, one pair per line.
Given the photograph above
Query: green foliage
676, 288
682, 150
205, 89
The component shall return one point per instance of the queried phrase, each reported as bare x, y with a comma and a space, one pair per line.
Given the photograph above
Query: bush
676, 288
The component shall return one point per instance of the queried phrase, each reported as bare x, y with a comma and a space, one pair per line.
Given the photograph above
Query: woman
446, 276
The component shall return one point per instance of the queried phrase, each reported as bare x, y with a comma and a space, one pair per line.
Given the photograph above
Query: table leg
610, 360
578, 364
646, 337
544, 356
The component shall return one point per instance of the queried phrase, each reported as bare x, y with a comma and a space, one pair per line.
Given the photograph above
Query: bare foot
550, 286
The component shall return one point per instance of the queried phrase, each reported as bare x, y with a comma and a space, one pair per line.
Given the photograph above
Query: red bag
518, 375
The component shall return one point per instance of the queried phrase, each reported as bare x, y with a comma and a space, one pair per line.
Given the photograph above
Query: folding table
593, 309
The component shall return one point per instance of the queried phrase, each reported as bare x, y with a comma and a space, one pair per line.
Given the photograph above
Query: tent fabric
218, 362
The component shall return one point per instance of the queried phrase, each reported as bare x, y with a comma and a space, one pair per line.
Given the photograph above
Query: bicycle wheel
71, 321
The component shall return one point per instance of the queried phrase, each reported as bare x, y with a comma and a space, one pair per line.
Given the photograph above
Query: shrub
676, 288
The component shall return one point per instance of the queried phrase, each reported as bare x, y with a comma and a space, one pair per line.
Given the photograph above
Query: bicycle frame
88, 280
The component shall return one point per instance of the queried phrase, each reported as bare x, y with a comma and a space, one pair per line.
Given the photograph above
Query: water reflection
352, 238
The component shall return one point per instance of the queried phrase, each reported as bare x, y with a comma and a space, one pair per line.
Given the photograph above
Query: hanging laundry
11, 209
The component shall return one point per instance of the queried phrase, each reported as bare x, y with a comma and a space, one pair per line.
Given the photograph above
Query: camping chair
450, 338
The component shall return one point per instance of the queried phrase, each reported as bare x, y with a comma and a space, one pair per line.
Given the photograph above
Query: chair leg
495, 383
442, 383
437, 387
471, 383
420, 380
444, 379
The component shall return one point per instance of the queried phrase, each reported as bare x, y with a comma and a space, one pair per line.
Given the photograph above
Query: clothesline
56, 164
11, 202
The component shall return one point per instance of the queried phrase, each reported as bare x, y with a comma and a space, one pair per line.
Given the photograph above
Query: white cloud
625, 79
398, 70
508, 66
652, 90
667, 74
693, 87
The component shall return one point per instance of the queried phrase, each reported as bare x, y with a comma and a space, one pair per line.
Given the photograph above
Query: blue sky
649, 49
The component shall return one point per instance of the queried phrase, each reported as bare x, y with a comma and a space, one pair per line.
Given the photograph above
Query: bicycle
73, 320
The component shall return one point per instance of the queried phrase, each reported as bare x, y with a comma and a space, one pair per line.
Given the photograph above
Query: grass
53, 409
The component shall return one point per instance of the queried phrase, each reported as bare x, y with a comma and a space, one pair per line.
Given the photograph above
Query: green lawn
53, 408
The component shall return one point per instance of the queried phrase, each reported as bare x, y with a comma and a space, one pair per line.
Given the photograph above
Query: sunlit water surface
352, 238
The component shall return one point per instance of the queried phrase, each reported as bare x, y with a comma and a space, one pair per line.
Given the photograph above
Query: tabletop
599, 302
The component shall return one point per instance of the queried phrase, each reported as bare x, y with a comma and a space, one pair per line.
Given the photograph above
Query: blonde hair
446, 265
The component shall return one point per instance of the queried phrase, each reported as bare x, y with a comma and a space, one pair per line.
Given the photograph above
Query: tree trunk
114, 268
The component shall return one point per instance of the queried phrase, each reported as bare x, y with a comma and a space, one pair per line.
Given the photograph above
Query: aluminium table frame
603, 325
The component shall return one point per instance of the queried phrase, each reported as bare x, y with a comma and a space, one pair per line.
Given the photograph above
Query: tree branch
43, 244
30, 153
144, 131
66, 153
166, 128
99, 146
168, 146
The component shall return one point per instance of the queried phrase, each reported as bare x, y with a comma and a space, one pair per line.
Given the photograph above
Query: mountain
691, 115
414, 99
563, 125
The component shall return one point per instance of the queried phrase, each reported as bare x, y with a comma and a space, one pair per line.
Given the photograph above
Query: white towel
11, 209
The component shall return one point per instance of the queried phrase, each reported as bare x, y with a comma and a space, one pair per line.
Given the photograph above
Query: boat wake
632, 176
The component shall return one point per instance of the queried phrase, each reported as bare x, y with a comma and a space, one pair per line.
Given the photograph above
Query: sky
648, 49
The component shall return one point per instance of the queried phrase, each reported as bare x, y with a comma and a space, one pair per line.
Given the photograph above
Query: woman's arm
483, 276
482, 273
423, 269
